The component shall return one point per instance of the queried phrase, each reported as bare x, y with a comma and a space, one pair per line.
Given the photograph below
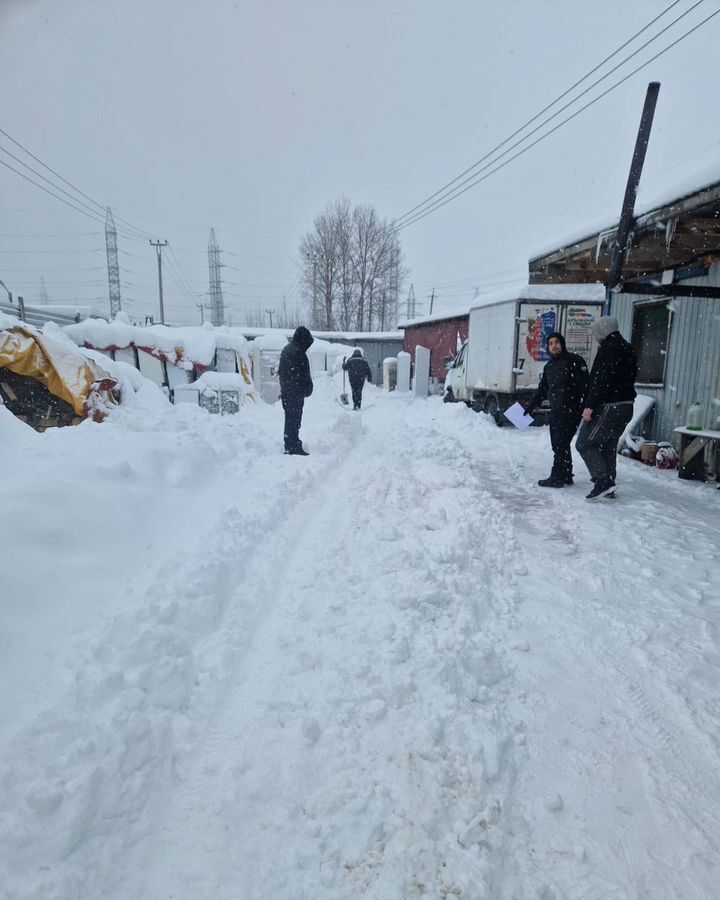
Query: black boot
552, 481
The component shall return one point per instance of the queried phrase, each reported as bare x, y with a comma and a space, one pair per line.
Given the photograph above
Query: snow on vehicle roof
578, 293
222, 381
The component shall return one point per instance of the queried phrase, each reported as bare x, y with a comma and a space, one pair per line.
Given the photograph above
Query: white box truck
505, 353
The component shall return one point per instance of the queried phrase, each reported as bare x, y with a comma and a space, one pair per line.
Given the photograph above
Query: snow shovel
344, 397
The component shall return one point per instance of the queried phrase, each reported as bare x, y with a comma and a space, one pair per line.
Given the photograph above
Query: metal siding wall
375, 351
693, 361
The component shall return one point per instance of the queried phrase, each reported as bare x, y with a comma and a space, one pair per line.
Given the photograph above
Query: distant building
443, 334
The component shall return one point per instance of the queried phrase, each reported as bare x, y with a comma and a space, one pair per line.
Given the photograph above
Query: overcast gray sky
251, 116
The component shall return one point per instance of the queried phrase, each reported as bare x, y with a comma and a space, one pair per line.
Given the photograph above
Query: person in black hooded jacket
608, 405
295, 385
358, 373
564, 383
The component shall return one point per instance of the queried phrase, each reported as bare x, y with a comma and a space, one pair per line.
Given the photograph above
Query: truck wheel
492, 408
449, 397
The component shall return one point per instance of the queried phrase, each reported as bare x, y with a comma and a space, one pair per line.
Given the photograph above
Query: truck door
456, 375
537, 321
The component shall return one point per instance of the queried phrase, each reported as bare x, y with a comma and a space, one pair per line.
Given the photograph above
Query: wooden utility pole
270, 313
628, 207
158, 245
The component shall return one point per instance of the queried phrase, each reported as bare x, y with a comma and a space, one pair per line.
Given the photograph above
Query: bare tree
289, 316
256, 317
283, 316
351, 269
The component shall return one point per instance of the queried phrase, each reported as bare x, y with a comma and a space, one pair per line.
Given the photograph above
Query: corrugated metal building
689, 357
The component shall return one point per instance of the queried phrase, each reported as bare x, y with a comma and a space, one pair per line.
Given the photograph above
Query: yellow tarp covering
67, 375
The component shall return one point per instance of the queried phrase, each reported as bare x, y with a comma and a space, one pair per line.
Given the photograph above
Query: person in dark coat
358, 373
295, 385
564, 383
608, 405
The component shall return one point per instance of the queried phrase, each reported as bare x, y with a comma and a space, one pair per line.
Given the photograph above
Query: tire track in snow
351, 670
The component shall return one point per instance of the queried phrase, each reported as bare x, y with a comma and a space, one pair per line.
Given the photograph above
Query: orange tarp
66, 374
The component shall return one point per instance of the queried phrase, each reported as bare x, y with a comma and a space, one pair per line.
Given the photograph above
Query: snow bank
15, 436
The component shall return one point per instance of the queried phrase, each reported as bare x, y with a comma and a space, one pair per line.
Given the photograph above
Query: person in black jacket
295, 385
358, 373
608, 405
564, 383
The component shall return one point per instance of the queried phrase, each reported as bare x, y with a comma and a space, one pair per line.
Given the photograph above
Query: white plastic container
389, 373
695, 417
403, 371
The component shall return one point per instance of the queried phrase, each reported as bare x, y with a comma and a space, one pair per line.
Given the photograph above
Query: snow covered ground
395, 669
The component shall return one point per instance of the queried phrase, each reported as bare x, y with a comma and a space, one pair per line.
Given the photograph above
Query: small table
691, 443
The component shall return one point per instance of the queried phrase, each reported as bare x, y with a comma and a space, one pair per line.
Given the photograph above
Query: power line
100, 206
66, 252
54, 269
45, 166
56, 234
457, 192
56, 196
51, 183
429, 205
182, 274
472, 280
544, 110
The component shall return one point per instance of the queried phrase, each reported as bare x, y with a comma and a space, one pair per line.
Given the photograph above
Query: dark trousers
356, 394
293, 407
598, 439
562, 431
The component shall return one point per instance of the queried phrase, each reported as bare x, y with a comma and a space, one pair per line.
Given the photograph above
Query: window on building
650, 335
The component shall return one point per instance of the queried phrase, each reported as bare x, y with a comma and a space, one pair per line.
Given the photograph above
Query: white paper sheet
517, 415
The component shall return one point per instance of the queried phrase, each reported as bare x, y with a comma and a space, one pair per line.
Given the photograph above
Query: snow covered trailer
505, 353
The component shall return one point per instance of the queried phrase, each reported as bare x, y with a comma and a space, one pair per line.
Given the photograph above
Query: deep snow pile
394, 669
